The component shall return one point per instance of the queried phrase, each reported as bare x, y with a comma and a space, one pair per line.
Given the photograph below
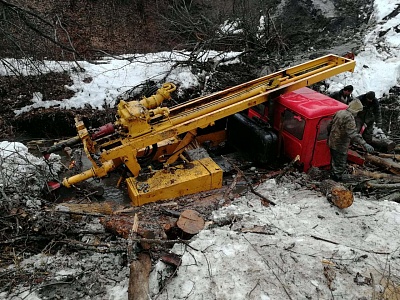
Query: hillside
88, 29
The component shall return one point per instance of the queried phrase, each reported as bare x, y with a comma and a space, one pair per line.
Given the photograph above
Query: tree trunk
392, 167
388, 186
392, 156
336, 193
139, 278
376, 175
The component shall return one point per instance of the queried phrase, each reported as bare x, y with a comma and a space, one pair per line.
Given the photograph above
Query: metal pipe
92, 172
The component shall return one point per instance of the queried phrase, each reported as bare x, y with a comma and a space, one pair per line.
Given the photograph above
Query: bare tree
239, 25
29, 34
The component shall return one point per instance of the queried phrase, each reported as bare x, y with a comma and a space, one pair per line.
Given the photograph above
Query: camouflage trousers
338, 164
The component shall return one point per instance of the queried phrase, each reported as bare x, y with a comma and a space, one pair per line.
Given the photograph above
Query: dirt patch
18, 91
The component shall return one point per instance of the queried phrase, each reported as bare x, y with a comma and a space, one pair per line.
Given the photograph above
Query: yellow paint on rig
134, 116
197, 176
92, 172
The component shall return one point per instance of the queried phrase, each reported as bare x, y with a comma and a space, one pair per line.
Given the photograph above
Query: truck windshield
293, 124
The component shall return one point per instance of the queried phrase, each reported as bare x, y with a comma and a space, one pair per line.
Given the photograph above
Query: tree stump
337, 193
190, 222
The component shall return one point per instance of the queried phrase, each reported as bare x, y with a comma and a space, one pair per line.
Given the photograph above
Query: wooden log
387, 155
337, 193
172, 259
387, 186
190, 222
123, 225
391, 167
391, 197
138, 288
383, 145
104, 208
376, 175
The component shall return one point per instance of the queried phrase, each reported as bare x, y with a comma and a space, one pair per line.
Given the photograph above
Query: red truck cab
300, 118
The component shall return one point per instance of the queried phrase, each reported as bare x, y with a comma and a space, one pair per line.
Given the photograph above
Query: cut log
383, 145
190, 222
139, 278
337, 193
391, 167
122, 226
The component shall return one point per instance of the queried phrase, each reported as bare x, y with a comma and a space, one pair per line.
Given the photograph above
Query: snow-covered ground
103, 81
378, 64
305, 248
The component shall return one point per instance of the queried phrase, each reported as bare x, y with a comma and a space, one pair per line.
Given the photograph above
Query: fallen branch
271, 269
101, 248
387, 155
258, 229
103, 208
266, 201
389, 186
232, 186
336, 243
287, 168
358, 216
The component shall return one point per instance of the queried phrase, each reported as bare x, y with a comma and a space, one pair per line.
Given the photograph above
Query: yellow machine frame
143, 124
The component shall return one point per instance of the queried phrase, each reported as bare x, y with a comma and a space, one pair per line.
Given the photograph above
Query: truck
157, 146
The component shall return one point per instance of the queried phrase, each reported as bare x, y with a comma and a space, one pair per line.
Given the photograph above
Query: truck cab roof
310, 104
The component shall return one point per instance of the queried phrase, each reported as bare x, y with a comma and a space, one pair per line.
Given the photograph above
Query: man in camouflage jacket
343, 131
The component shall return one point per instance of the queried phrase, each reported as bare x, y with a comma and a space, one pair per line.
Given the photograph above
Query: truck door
321, 154
291, 132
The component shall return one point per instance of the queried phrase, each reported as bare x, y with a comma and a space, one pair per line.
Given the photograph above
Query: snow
231, 27
378, 65
103, 81
304, 234
22, 170
309, 248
